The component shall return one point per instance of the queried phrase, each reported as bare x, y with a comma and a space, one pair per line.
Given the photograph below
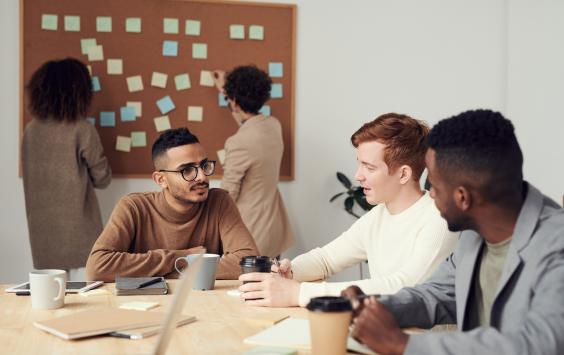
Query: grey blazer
527, 315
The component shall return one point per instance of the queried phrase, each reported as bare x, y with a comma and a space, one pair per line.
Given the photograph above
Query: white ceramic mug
47, 288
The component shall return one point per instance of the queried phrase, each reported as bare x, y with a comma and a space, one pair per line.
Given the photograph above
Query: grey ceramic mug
205, 279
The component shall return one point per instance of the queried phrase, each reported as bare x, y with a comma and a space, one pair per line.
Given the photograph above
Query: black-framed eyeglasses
190, 172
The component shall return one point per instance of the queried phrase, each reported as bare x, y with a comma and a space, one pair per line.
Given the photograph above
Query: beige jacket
251, 170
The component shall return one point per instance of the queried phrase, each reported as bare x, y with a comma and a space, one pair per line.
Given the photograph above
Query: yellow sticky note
135, 83
221, 156
162, 123
138, 305
237, 32
72, 23
199, 50
115, 66
96, 292
159, 80
137, 105
170, 25
123, 144
206, 78
96, 53
195, 113
138, 139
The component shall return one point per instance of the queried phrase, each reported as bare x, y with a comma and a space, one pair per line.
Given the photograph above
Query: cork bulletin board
150, 62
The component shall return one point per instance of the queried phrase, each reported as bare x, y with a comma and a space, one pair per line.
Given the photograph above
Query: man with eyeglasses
148, 231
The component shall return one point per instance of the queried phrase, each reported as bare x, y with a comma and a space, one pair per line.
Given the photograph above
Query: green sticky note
256, 32
170, 25
237, 32
192, 28
133, 24
138, 139
49, 22
86, 43
182, 82
104, 24
199, 50
72, 23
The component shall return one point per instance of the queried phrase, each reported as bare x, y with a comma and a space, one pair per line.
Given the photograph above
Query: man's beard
187, 201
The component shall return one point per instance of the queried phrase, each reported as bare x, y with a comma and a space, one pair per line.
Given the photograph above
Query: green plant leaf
344, 180
337, 195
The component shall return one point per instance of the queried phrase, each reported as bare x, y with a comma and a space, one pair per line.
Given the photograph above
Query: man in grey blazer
504, 284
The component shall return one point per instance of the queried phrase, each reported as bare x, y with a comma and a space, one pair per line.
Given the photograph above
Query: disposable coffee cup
255, 264
329, 319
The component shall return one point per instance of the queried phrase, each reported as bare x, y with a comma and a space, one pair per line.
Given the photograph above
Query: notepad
129, 286
145, 332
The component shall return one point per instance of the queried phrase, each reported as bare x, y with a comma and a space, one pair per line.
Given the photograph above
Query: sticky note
115, 66
107, 119
96, 292
237, 32
137, 105
265, 110
96, 84
222, 101
104, 24
206, 78
127, 113
138, 305
256, 32
192, 28
135, 83
123, 144
159, 80
182, 81
162, 123
275, 70
138, 139
89, 67
96, 53
72, 23
170, 48
91, 120
276, 91
49, 22
133, 25
165, 105
170, 25
195, 113
86, 43
199, 50
221, 156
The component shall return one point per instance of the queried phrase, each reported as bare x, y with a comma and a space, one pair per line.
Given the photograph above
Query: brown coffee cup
329, 319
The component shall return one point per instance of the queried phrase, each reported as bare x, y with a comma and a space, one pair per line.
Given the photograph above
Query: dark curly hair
60, 90
249, 87
169, 139
480, 146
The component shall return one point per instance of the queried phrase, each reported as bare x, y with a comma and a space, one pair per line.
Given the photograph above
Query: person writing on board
252, 159
148, 231
503, 285
404, 238
62, 162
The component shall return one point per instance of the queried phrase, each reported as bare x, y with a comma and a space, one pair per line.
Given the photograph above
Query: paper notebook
99, 321
141, 333
130, 286
294, 333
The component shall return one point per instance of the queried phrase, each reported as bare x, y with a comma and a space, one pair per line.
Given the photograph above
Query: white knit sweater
402, 250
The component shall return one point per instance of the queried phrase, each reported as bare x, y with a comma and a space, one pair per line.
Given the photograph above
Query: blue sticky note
222, 100
165, 105
276, 91
127, 113
92, 120
265, 110
170, 48
107, 119
96, 84
275, 70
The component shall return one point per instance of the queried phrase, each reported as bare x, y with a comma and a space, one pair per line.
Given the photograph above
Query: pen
23, 293
150, 282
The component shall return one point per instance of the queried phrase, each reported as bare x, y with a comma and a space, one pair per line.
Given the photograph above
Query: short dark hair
480, 146
249, 87
60, 90
171, 138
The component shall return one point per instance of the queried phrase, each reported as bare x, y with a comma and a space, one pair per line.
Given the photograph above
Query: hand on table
272, 289
353, 293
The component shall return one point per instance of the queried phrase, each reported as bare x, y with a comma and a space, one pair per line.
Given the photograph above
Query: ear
462, 198
405, 174
159, 178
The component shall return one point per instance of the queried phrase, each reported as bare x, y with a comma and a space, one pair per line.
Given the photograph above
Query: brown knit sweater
144, 236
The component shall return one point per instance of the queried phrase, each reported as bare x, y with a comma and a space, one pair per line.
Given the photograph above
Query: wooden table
222, 323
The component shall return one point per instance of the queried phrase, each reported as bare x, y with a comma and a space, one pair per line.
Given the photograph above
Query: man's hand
353, 293
378, 329
275, 291
219, 80
285, 268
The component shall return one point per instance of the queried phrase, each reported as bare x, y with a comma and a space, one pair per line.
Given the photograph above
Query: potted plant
354, 194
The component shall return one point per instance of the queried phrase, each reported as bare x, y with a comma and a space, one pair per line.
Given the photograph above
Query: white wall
356, 60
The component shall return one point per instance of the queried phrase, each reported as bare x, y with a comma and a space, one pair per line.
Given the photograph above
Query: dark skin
463, 207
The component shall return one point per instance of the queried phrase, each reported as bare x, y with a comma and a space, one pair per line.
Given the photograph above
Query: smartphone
72, 287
